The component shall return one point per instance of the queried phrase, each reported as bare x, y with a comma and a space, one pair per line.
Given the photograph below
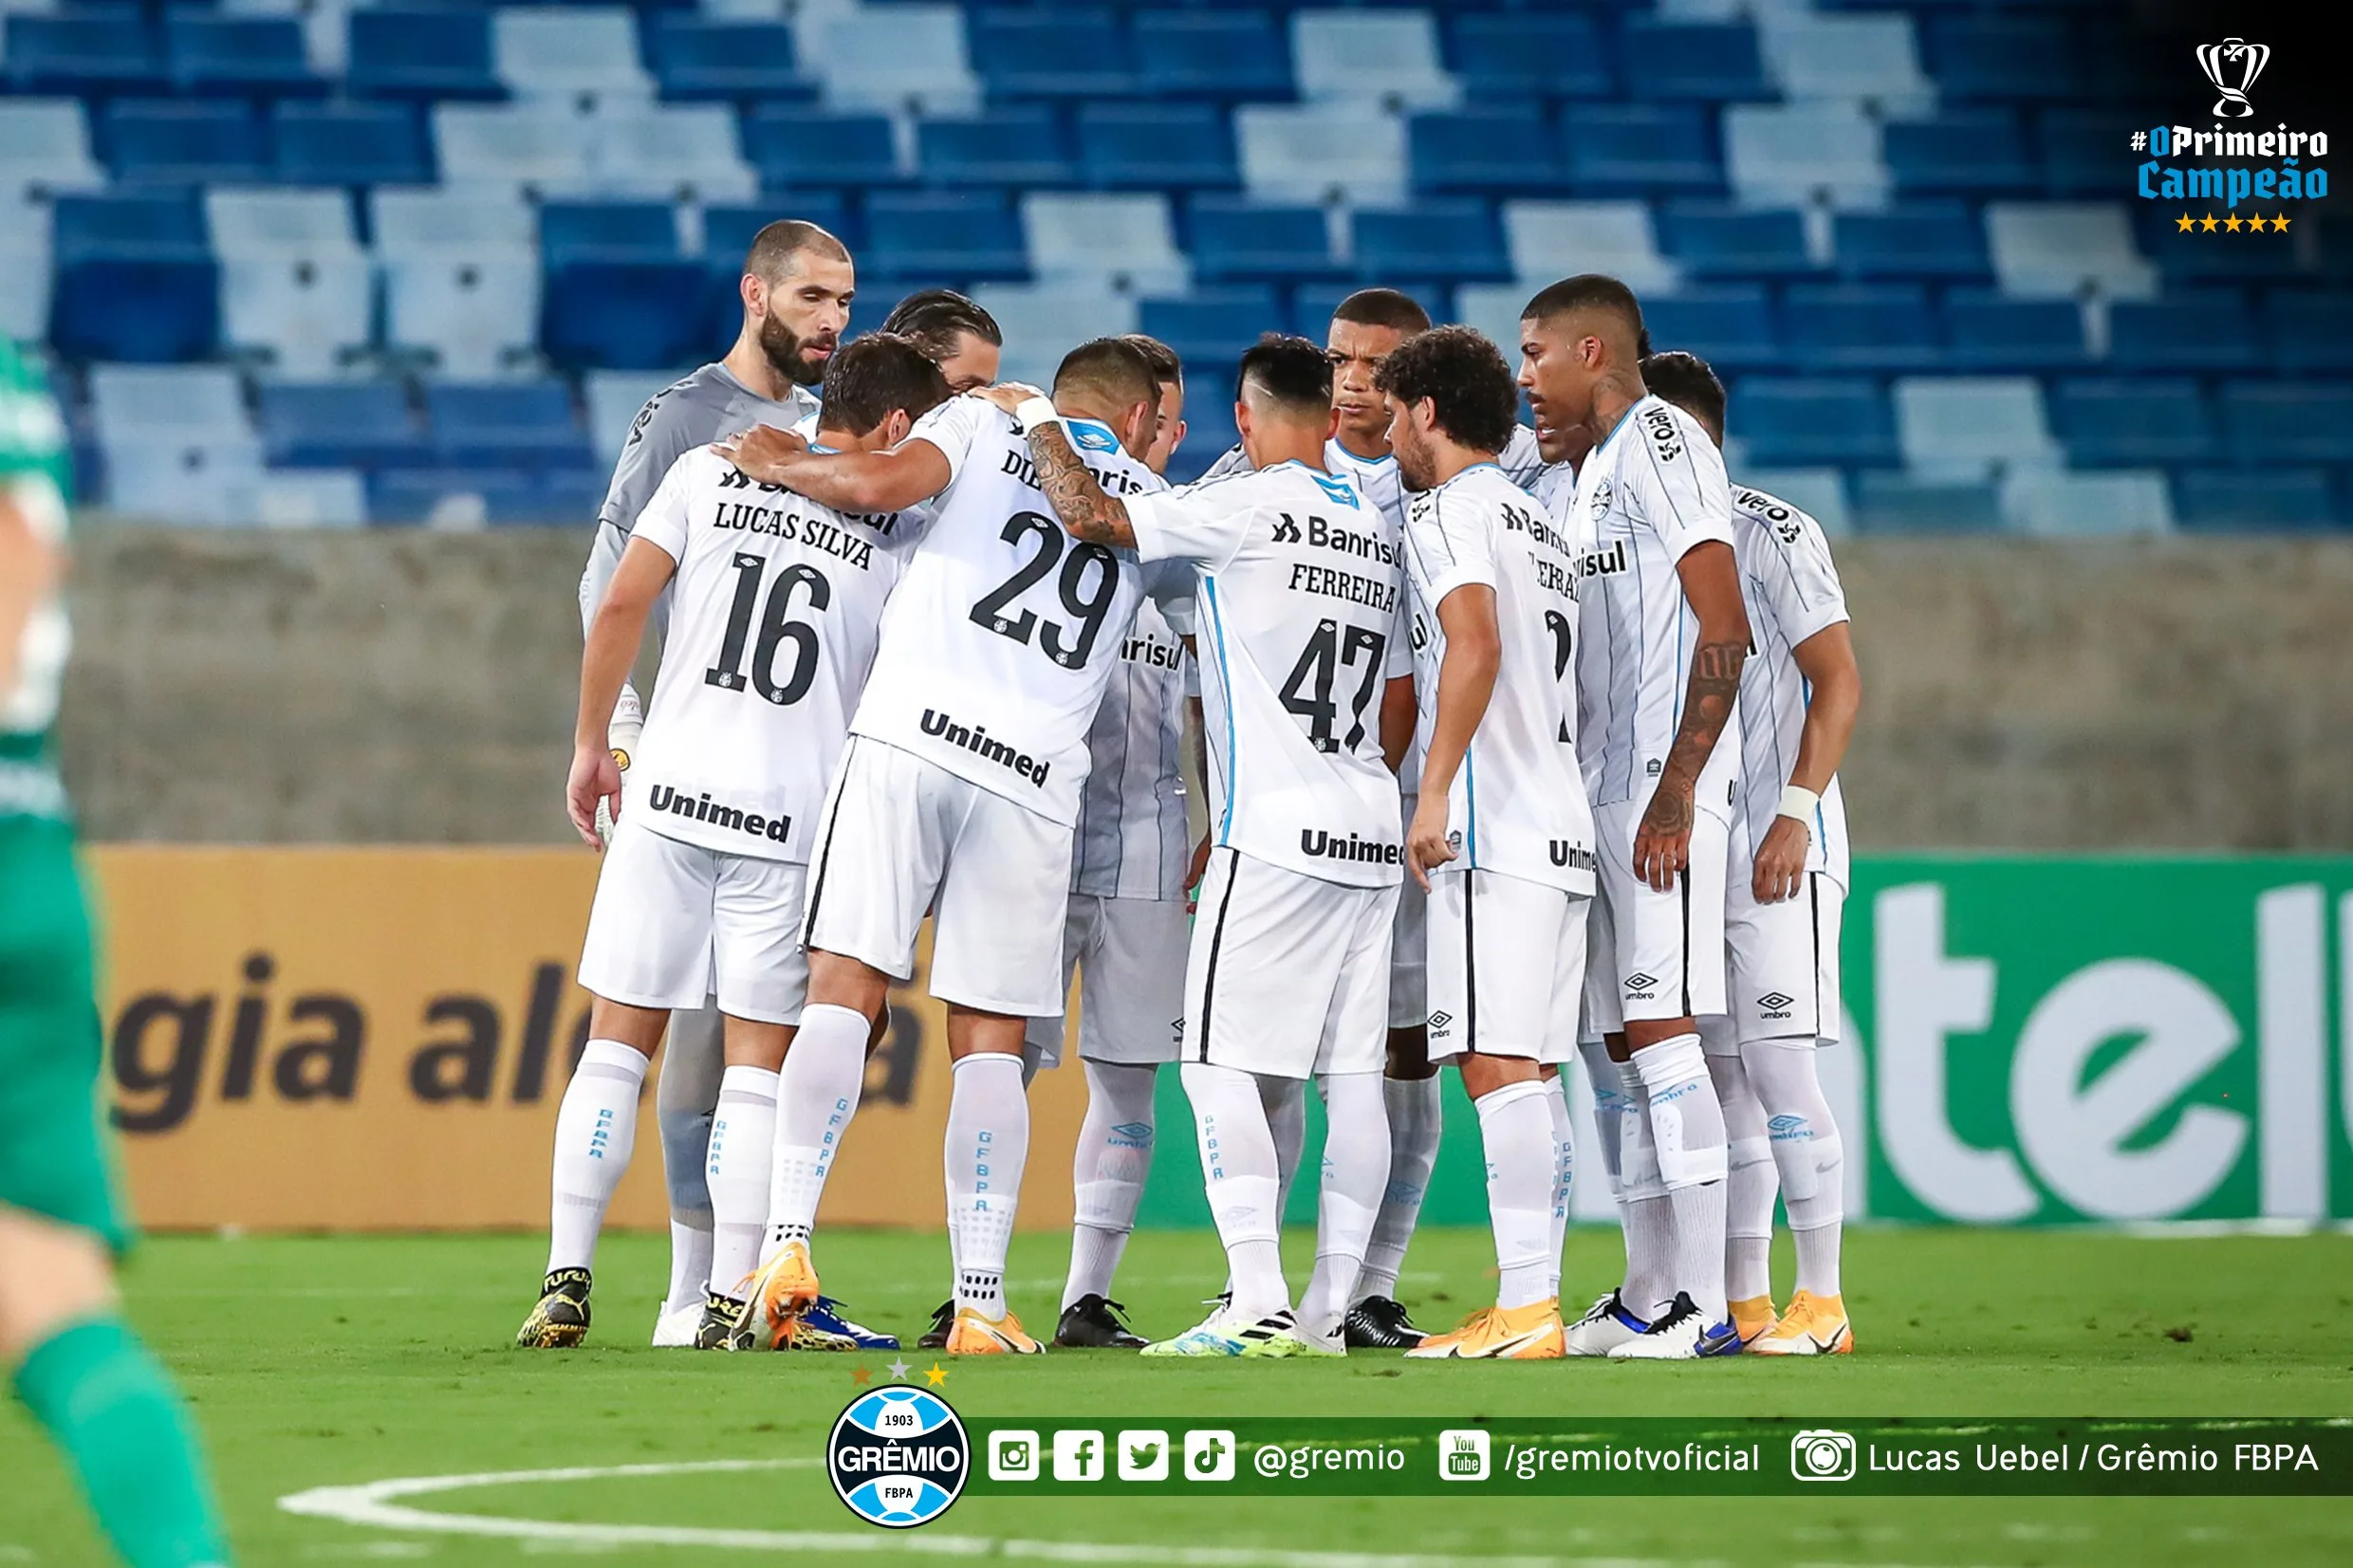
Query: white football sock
1416, 1115
689, 1265
1517, 1133
1238, 1171
1809, 1153
743, 1150
1107, 1172
596, 1129
1687, 1123
1647, 1216
1356, 1170
1564, 1173
1749, 1183
817, 1095
987, 1144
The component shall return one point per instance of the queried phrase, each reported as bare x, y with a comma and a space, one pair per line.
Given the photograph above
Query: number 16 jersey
1005, 630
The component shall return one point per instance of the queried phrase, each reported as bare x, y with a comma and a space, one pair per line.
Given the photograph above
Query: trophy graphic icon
2233, 57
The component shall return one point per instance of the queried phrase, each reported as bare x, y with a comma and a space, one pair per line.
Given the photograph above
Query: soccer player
1662, 638
959, 792
953, 333
796, 286
1501, 838
81, 1372
1785, 891
777, 603
1297, 602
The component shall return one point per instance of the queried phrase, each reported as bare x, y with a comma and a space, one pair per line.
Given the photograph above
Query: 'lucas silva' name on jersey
818, 533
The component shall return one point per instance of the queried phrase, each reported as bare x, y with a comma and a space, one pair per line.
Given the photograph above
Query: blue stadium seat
421, 53
2003, 58
184, 141
1731, 327
2084, 152
1447, 241
1211, 327
1049, 54
494, 495
1988, 330
1707, 240
618, 295
350, 143
1505, 55
1978, 152
254, 55
1712, 61
571, 232
528, 424
2224, 257
1891, 501
88, 50
934, 234
2265, 500
1209, 433
2129, 423
1233, 240
2309, 330
338, 424
2209, 330
701, 59
1157, 147
1798, 422
1022, 145
1229, 55
1922, 239
2289, 421
1486, 152
1626, 150
135, 281
1861, 327
849, 152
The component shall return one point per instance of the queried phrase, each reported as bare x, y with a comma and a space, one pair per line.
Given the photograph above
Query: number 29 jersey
1004, 631
774, 612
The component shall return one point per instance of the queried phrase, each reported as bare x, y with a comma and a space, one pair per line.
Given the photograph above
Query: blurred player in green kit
85, 1376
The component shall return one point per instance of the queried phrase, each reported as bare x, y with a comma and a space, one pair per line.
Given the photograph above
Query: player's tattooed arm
1711, 585
1085, 508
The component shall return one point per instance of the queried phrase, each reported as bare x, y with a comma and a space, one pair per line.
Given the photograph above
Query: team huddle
1514, 747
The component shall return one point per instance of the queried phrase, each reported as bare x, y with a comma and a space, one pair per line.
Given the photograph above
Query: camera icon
1822, 1454
1013, 1456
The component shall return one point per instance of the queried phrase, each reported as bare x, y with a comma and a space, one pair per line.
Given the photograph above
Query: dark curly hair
1464, 375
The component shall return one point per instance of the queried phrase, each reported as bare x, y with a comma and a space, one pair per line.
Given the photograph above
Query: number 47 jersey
772, 628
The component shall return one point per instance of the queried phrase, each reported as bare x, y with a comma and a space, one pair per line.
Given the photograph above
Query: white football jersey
1517, 805
1791, 589
774, 617
1650, 492
1132, 841
1295, 614
996, 647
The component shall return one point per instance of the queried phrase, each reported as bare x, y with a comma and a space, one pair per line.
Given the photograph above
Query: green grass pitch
333, 1361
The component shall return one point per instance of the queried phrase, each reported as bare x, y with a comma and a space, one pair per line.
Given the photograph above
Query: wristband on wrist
1800, 802
1034, 412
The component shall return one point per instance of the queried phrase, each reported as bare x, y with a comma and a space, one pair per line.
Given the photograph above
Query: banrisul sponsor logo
702, 809
1323, 845
898, 1457
976, 739
2232, 163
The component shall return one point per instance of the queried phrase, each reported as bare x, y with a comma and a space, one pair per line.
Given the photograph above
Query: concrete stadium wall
415, 687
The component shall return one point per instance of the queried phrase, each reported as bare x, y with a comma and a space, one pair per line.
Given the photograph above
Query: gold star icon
2208, 224
2279, 225
938, 1377
2231, 224
859, 1375
2186, 223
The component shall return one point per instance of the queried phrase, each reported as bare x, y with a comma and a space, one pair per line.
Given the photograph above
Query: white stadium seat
24, 268
1388, 57
1803, 155
193, 405
1555, 239
1124, 243
298, 498
586, 54
1040, 323
1871, 59
902, 59
182, 483
2127, 501
1821, 492
1972, 427
313, 317
682, 152
1493, 308
479, 319
614, 398
475, 225
45, 145
520, 147
290, 223
1322, 153
2067, 249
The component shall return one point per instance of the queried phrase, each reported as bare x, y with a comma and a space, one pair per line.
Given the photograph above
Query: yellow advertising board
377, 1039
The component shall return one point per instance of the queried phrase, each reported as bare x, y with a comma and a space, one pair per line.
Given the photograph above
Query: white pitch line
375, 1504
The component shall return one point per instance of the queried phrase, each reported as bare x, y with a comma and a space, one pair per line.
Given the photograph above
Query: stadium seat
1049, 54
1493, 310
177, 405
451, 498
300, 498
183, 141
1211, 327
2147, 419
614, 398
1873, 61
338, 424
1484, 151
189, 486
1924, 239
2008, 58
574, 232
1233, 240
1449, 240
295, 286
1709, 240
1157, 147
134, 280
1710, 62
1501, 56
477, 225
1972, 427
405, 52
1861, 327
524, 147
472, 317
2055, 503
1796, 422
1731, 327
350, 143
2211, 330
311, 223
1889, 501
25, 268
2080, 150
1987, 330
793, 149
697, 57
1799, 154
254, 56
2042, 250
904, 59
1819, 491
618, 294
1043, 322
525, 424
1215, 54
1553, 239
2289, 421
955, 234
1322, 153
91, 51
1962, 152
44, 147
1630, 150
582, 56
1022, 145
1123, 242
1388, 57
684, 152
2309, 330
2253, 500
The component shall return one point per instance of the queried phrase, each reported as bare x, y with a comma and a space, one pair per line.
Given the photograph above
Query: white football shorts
1655, 955
1507, 967
1289, 974
676, 924
1782, 959
898, 836
1409, 981
1129, 954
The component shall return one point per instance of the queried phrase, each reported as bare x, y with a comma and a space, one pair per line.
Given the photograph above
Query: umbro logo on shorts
1774, 1004
1439, 1021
